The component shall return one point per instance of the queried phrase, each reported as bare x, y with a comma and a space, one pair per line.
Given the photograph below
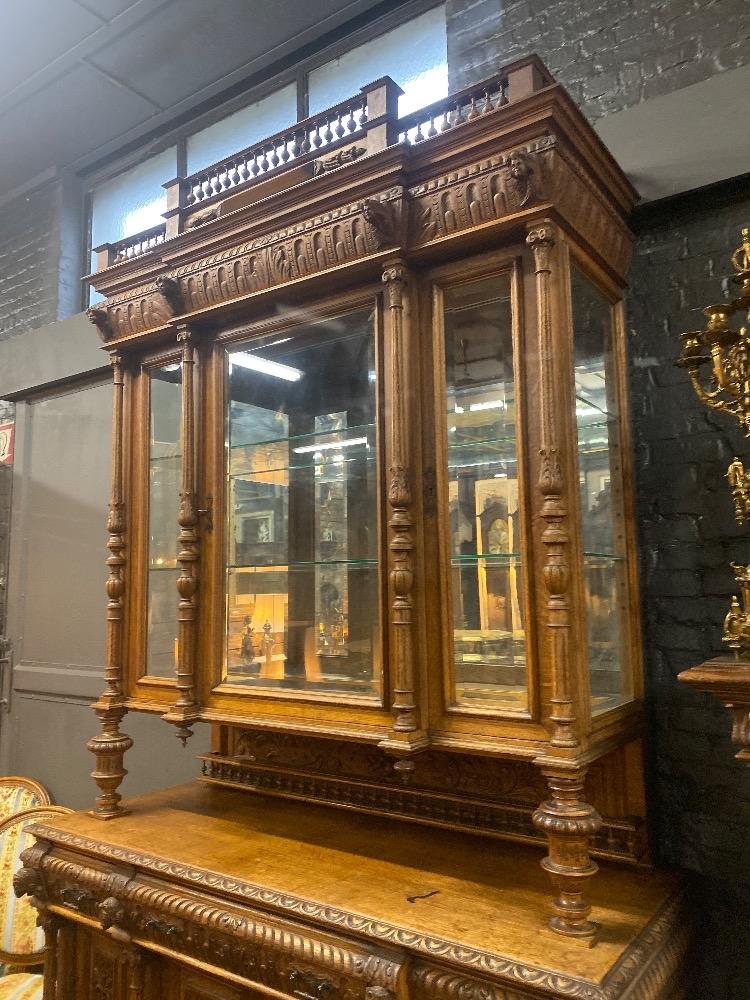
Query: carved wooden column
110, 745
567, 820
405, 739
51, 926
184, 712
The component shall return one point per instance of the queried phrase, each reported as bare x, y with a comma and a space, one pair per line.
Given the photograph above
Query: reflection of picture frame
257, 528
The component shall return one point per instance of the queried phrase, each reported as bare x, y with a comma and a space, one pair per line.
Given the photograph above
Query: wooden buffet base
285, 899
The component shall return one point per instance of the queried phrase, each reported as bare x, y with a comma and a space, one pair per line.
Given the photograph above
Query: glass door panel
602, 506
489, 640
302, 565
165, 472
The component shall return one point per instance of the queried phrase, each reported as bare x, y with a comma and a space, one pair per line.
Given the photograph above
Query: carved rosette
568, 822
185, 712
401, 535
110, 745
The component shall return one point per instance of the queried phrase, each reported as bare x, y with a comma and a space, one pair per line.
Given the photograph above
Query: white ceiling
83, 77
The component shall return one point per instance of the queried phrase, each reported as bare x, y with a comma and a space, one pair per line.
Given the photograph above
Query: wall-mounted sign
7, 435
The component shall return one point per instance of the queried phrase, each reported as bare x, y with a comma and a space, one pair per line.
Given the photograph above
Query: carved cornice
277, 953
339, 236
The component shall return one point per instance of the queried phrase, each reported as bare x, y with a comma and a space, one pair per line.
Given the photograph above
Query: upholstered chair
21, 939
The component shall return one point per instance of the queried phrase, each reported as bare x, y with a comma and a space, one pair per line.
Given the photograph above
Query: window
415, 54
130, 202
243, 128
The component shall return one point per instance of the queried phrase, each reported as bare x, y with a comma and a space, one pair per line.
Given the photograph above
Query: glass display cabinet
372, 494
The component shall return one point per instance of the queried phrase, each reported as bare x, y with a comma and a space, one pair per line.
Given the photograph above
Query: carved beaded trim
220, 920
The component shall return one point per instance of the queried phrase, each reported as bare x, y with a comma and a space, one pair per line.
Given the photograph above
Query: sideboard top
429, 889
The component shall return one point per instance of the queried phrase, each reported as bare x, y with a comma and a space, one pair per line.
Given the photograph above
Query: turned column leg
569, 824
110, 745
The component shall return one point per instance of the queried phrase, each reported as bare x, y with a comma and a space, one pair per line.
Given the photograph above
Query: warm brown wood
181, 883
293, 886
422, 888
110, 745
184, 713
728, 680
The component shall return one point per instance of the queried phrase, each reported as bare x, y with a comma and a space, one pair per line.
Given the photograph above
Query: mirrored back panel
302, 577
489, 635
165, 472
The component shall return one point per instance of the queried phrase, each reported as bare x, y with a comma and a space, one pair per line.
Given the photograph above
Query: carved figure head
520, 168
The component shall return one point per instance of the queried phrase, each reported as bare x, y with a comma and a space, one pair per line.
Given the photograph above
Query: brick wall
29, 254
699, 795
609, 54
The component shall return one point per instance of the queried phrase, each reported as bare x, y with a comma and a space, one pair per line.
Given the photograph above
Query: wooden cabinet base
202, 893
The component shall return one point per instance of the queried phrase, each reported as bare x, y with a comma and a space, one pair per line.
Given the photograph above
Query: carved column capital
541, 239
395, 278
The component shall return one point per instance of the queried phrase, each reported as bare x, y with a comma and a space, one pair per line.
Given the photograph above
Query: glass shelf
302, 564
302, 574
330, 463
309, 435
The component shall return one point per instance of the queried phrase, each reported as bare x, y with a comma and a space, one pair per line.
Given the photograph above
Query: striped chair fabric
21, 941
23, 986
19, 794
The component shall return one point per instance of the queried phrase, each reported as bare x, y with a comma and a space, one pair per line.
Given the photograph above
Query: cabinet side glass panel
601, 489
303, 609
489, 637
165, 471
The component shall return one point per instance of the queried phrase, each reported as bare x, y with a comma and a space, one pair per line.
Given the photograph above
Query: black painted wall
699, 795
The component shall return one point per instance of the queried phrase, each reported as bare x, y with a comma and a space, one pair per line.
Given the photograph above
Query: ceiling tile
205, 42
81, 112
25, 49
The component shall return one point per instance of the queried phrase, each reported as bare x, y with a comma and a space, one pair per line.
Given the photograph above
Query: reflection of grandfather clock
494, 585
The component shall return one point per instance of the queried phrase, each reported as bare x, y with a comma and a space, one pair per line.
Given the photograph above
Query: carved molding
482, 192
282, 956
173, 905
618, 840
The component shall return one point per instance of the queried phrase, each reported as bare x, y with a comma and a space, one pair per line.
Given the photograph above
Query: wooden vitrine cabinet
372, 498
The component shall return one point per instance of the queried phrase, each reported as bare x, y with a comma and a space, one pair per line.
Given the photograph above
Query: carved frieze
482, 192
453, 790
282, 956
334, 238
143, 308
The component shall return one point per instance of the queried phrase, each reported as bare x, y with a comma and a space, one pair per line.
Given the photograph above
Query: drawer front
255, 949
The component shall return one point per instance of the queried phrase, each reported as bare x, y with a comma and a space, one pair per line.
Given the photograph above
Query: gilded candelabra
718, 362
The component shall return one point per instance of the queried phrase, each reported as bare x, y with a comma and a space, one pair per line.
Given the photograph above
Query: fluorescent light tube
328, 446
255, 363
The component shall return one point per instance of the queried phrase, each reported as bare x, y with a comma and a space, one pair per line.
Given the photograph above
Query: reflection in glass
165, 470
602, 510
302, 575
485, 531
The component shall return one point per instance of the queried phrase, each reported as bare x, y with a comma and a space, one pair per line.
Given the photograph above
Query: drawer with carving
253, 948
